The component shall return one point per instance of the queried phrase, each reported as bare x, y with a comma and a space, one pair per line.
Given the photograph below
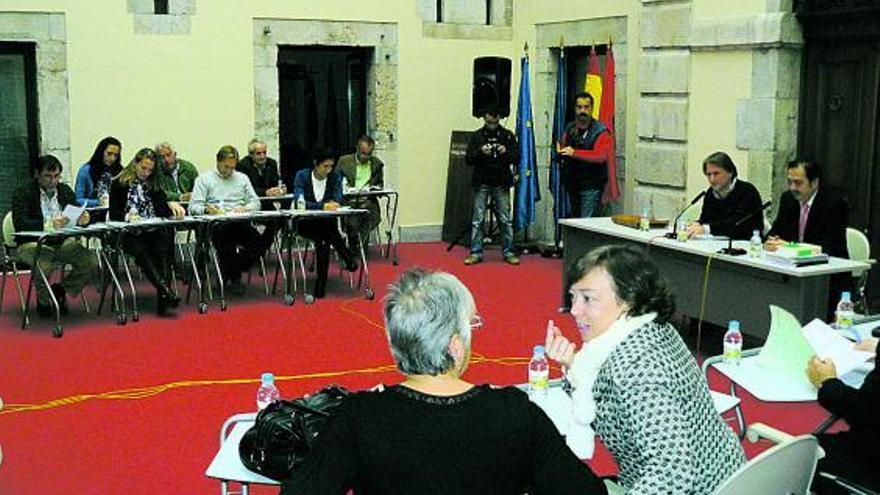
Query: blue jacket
302, 186
85, 187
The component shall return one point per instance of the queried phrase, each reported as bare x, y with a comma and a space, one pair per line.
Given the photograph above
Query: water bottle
645, 219
281, 186
132, 215
539, 372
301, 203
733, 344
756, 248
104, 200
843, 315
268, 392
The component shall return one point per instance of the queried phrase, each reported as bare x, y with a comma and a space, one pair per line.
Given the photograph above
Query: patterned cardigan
655, 415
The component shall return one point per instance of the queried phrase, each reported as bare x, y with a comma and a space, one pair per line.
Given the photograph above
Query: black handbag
285, 432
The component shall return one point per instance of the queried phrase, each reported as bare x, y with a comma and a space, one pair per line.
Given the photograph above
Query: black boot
61, 297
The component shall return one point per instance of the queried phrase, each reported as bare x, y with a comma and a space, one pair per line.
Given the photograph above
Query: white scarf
582, 375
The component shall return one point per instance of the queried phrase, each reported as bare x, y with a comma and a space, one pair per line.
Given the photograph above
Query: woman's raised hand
558, 348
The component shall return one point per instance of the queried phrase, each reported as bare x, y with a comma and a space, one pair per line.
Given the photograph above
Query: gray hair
423, 311
164, 144
252, 145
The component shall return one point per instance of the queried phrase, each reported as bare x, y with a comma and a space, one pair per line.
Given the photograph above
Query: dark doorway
18, 118
322, 101
577, 61
840, 108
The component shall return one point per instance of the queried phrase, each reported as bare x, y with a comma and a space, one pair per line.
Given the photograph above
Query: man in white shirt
222, 191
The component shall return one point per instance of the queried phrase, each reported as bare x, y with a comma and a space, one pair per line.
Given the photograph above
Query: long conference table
737, 287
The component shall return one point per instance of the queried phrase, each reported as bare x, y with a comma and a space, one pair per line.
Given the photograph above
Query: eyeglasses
476, 322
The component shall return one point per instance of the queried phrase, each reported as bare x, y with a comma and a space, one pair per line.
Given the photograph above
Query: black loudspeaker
491, 90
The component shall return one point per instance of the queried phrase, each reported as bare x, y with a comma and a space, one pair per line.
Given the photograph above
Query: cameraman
492, 151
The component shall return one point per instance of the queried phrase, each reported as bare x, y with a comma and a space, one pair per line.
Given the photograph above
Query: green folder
786, 350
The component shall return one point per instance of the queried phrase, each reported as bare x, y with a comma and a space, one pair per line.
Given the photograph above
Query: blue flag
526, 193
561, 205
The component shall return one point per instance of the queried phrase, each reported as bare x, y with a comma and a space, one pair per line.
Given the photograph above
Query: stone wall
766, 123
176, 21
48, 31
382, 101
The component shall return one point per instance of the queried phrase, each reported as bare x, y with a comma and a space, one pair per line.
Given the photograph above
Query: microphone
752, 214
737, 251
674, 233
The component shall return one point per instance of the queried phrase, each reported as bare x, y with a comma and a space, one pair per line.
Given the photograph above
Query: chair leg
2, 291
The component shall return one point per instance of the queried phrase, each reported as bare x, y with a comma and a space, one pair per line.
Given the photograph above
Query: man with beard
584, 148
728, 201
813, 214
809, 213
491, 152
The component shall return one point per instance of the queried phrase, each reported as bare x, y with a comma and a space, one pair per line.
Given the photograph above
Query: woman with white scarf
635, 382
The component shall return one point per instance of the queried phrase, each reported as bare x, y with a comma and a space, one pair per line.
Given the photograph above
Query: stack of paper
789, 347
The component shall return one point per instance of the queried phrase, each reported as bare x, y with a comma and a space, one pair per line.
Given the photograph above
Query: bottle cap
733, 325
268, 378
538, 351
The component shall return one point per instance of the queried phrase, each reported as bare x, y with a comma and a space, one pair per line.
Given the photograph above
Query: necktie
802, 224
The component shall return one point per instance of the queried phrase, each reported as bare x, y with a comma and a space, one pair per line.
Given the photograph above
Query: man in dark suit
810, 213
815, 214
850, 454
321, 188
38, 205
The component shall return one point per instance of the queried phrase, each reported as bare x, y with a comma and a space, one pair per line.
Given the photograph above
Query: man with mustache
810, 213
815, 214
584, 148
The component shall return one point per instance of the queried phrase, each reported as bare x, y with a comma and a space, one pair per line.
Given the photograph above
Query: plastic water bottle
132, 215
539, 372
733, 344
843, 315
268, 392
756, 248
300, 203
104, 200
281, 186
645, 219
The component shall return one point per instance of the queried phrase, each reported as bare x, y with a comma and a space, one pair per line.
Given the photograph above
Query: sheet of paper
72, 214
829, 343
786, 350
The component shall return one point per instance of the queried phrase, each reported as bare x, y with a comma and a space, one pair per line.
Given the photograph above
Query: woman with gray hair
435, 432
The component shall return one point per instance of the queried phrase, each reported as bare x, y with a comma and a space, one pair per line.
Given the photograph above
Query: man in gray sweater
222, 191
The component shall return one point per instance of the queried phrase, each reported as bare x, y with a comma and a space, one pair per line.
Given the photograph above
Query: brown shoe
511, 259
473, 259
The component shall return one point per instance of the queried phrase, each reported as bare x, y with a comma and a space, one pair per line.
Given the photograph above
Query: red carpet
150, 438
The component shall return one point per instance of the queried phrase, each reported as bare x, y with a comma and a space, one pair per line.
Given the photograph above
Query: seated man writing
225, 190
363, 170
38, 206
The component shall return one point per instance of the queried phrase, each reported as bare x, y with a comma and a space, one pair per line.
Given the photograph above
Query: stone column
661, 159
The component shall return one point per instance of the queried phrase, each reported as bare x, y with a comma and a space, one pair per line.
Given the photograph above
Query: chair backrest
858, 247
784, 469
8, 231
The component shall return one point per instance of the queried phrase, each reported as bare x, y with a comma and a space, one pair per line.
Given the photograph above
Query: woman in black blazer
135, 195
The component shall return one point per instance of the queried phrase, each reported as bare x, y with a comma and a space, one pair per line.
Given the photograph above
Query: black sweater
486, 440
722, 214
